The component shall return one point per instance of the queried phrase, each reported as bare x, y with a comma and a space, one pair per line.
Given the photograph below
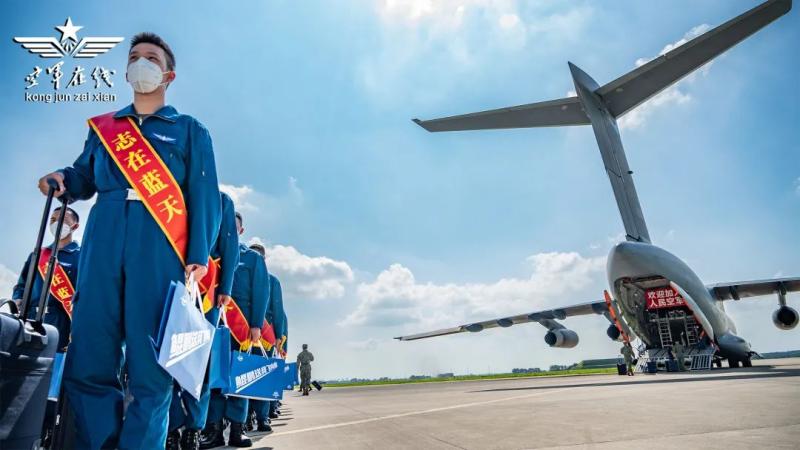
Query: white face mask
66, 230
144, 75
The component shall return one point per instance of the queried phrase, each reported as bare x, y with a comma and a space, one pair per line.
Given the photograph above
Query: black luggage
317, 385
622, 369
27, 349
64, 427
652, 367
672, 365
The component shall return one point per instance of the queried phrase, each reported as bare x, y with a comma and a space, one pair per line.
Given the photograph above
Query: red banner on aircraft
665, 297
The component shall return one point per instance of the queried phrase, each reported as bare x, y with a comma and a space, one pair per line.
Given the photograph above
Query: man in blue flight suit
281, 325
55, 311
185, 410
127, 262
268, 410
251, 293
68, 253
284, 347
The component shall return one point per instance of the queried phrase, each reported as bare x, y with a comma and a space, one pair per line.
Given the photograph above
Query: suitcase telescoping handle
28, 336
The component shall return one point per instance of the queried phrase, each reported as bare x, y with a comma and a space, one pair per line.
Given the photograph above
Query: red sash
240, 329
153, 182
209, 299
267, 336
61, 287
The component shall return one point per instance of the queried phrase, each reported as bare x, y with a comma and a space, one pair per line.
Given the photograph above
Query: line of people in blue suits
124, 268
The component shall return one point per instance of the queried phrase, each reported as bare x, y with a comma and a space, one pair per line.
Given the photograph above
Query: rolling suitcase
64, 428
622, 369
317, 385
27, 350
672, 365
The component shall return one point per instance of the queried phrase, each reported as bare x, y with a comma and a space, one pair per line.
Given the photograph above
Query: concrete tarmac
757, 407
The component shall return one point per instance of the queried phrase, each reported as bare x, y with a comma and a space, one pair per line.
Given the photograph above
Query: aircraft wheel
747, 363
733, 363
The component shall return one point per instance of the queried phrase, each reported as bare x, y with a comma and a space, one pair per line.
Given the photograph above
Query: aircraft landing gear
733, 363
747, 363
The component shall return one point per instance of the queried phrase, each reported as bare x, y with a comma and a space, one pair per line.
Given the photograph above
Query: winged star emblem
50, 47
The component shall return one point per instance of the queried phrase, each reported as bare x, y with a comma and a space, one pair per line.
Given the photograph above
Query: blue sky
378, 228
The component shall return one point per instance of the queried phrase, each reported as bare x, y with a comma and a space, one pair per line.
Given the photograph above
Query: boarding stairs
701, 357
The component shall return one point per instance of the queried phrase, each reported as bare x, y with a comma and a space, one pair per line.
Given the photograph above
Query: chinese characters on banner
665, 297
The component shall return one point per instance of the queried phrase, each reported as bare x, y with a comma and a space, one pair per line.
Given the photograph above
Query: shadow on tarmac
751, 373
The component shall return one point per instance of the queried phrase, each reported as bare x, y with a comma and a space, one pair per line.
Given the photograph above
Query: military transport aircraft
654, 295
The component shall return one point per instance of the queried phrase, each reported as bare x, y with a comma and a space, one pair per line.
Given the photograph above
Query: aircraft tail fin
601, 105
616, 163
627, 91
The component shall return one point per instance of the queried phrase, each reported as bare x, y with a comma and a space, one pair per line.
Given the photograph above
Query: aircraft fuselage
633, 267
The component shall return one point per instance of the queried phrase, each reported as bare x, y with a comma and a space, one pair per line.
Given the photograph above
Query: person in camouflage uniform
627, 353
304, 365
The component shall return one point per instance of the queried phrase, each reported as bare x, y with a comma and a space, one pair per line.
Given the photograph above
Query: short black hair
239, 216
259, 248
147, 37
71, 211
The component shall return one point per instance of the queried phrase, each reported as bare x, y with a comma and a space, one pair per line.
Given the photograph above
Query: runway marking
416, 413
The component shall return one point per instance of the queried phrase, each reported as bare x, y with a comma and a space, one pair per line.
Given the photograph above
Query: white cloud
797, 186
242, 196
609, 242
268, 212
367, 345
430, 46
673, 95
307, 277
294, 190
396, 298
7, 281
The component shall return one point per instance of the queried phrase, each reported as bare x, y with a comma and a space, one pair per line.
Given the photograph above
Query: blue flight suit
126, 267
263, 407
251, 291
276, 314
55, 314
185, 409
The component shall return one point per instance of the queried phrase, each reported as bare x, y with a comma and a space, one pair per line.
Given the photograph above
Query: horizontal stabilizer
627, 91
565, 111
633, 88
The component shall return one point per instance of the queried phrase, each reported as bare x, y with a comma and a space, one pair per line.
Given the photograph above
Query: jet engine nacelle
785, 318
562, 338
613, 332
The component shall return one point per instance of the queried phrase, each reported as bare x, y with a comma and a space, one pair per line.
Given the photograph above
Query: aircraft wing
564, 111
547, 318
742, 289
